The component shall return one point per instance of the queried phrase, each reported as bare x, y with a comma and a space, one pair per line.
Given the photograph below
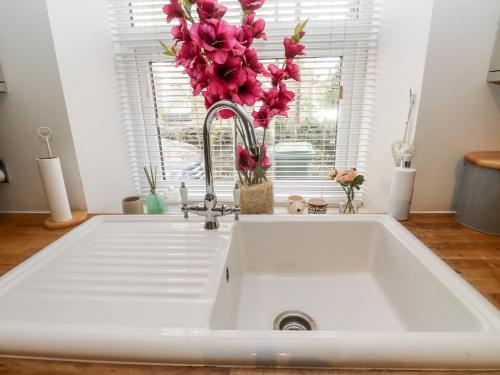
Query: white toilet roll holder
50, 170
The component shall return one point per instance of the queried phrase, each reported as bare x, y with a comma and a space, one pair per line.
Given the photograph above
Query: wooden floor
474, 255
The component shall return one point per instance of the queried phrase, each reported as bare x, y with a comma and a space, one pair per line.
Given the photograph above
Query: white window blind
163, 121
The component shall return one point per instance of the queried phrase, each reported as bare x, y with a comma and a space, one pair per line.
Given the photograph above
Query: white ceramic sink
348, 276
163, 290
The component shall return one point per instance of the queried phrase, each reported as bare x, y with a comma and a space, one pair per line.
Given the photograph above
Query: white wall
85, 58
34, 99
403, 36
459, 111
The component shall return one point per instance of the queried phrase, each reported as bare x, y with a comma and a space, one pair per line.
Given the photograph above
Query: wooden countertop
474, 255
486, 159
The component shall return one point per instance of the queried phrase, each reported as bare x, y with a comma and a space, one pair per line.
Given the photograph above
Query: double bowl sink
327, 291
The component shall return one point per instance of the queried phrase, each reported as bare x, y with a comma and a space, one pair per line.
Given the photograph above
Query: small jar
132, 205
317, 206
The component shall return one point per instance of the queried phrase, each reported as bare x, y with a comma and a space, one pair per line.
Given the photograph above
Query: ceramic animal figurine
296, 204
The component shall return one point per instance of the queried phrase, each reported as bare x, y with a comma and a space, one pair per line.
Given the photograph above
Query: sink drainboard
293, 320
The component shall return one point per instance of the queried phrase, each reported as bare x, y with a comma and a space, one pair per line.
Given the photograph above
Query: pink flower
251, 4
198, 75
244, 162
225, 113
217, 38
292, 70
245, 35
333, 173
277, 100
251, 29
347, 176
269, 98
256, 26
188, 52
250, 91
210, 97
252, 61
173, 10
277, 74
292, 49
210, 9
227, 77
180, 32
284, 98
229, 81
247, 162
263, 116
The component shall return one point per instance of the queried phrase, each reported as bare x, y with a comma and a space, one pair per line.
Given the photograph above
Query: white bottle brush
45, 136
403, 177
403, 150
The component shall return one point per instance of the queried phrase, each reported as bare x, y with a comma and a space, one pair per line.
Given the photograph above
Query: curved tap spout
247, 122
210, 209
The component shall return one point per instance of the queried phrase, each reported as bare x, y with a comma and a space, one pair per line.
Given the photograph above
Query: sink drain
293, 320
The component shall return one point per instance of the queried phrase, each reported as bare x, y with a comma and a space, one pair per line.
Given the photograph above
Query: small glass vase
155, 203
348, 207
257, 199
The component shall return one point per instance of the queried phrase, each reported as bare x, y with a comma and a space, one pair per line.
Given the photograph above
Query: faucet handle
184, 193
184, 198
236, 195
236, 198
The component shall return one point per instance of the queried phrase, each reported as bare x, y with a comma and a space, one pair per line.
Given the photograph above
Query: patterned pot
317, 206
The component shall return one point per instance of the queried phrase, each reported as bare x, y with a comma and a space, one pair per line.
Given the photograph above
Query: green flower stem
187, 14
259, 171
239, 130
349, 191
259, 174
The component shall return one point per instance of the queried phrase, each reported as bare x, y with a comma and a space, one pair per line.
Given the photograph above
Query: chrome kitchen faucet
209, 208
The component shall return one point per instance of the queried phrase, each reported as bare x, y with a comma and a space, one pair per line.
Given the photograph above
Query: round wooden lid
486, 159
77, 217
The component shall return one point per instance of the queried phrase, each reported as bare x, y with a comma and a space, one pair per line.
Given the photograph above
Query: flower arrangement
349, 179
222, 65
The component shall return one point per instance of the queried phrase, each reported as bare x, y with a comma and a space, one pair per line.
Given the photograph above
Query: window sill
278, 210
